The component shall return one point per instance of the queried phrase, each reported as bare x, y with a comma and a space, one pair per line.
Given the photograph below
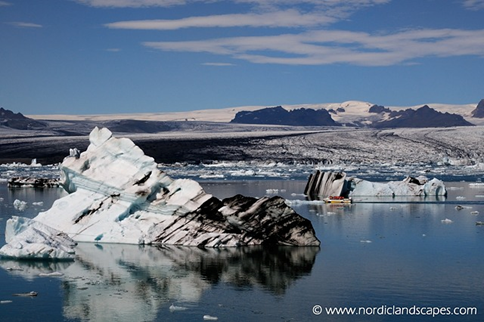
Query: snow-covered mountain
357, 112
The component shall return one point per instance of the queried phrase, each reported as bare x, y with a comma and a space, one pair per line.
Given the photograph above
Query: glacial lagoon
378, 253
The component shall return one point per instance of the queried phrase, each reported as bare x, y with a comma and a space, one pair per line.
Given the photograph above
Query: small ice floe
459, 207
38, 203
446, 221
19, 205
211, 176
31, 293
365, 241
210, 318
393, 208
460, 198
53, 274
479, 196
475, 212
479, 223
455, 188
476, 184
14, 269
174, 308
272, 191
5, 302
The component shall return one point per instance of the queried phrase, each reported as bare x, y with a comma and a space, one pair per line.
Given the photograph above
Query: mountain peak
18, 120
479, 110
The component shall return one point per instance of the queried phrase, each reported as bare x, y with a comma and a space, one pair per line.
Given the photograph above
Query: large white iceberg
117, 194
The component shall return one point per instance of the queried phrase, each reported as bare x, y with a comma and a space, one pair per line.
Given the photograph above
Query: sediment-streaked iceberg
324, 184
117, 194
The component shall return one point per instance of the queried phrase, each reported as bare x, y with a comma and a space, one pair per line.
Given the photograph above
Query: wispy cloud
132, 3
4, 4
336, 46
261, 4
218, 64
286, 18
263, 13
21, 24
474, 4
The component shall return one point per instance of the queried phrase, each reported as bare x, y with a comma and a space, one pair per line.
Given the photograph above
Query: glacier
117, 194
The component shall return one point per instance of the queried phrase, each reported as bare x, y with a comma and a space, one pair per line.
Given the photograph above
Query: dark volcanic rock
479, 110
378, 109
18, 121
32, 182
280, 116
422, 117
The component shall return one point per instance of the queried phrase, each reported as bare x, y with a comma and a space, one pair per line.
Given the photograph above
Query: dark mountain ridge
422, 117
19, 121
280, 116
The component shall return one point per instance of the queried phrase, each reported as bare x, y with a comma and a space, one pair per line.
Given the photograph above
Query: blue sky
130, 56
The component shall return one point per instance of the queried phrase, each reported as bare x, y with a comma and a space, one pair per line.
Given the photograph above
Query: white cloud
474, 4
262, 4
21, 24
263, 13
218, 64
286, 18
337, 46
131, 3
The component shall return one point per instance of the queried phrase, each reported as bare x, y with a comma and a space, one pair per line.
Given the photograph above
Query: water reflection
131, 282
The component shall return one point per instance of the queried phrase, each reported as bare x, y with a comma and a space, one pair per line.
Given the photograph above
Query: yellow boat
337, 199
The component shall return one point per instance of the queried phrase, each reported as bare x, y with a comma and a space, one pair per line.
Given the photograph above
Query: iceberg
324, 184
117, 194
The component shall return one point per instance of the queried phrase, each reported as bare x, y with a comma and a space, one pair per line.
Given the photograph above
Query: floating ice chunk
5, 302
476, 185
367, 241
20, 205
38, 203
174, 308
210, 318
53, 274
475, 212
331, 183
31, 293
446, 221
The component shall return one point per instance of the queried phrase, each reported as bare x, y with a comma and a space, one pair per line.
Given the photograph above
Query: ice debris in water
20, 205
174, 307
446, 221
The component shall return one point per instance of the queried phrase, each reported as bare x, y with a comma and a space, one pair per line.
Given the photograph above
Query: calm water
374, 253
